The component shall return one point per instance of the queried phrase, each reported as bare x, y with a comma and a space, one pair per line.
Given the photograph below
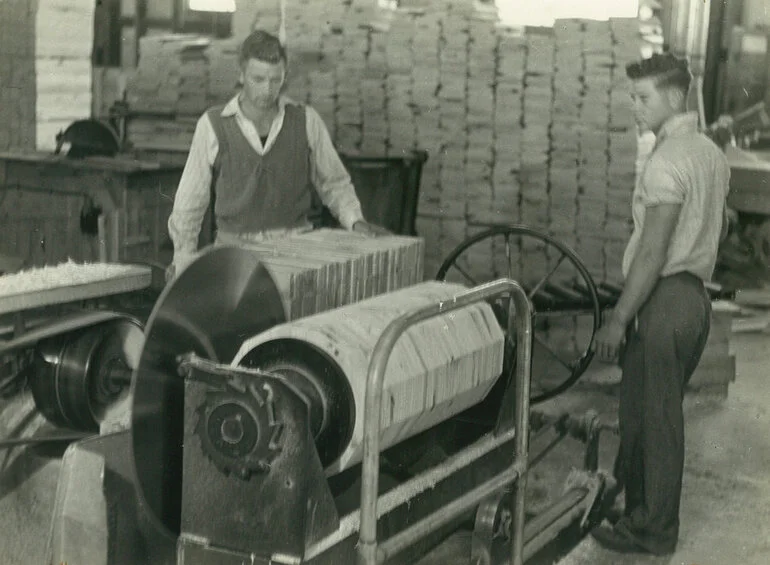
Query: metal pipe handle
519, 324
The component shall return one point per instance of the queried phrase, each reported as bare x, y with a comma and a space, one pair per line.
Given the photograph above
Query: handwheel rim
582, 362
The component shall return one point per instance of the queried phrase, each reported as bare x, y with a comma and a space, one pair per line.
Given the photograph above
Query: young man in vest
265, 155
661, 322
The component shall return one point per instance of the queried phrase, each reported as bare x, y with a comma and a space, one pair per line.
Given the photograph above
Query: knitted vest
252, 192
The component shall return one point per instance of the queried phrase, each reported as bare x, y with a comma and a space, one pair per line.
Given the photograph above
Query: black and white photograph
384, 282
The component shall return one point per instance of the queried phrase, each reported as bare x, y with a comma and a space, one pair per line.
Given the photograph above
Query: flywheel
566, 303
77, 375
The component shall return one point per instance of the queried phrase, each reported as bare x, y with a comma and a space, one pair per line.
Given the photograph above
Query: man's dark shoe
612, 539
656, 547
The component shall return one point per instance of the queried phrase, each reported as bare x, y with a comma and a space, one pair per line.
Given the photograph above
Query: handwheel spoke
546, 371
545, 278
553, 354
464, 273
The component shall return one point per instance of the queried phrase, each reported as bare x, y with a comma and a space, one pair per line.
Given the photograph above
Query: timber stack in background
528, 127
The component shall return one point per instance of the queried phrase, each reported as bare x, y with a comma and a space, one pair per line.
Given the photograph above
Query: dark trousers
663, 347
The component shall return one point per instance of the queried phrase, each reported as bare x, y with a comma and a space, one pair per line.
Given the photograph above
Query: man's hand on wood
372, 230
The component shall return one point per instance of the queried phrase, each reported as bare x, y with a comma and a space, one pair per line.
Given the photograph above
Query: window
542, 13
208, 17
227, 6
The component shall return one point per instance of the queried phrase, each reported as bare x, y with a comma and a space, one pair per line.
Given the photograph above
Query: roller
438, 368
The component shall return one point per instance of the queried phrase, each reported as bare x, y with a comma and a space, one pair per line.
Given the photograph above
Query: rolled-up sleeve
193, 193
663, 183
329, 175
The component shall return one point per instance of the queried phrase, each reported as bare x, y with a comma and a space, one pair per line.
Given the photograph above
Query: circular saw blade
224, 297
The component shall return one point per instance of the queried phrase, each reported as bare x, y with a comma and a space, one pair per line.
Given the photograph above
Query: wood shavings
63, 274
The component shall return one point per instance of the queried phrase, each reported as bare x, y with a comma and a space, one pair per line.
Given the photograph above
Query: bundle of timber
716, 369
523, 126
178, 78
63, 41
326, 269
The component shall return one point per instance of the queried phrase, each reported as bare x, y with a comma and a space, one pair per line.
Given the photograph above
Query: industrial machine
294, 406
744, 140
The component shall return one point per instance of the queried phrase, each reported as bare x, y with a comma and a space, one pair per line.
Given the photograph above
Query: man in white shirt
265, 155
660, 324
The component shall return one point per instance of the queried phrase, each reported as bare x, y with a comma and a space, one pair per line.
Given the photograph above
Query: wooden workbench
48, 289
749, 181
42, 197
39, 303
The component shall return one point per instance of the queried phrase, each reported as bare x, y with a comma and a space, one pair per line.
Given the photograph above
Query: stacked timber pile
17, 75
521, 126
265, 14
532, 127
716, 369
437, 368
178, 77
326, 269
63, 46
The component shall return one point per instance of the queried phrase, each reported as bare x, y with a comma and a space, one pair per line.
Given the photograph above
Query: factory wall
17, 74
64, 40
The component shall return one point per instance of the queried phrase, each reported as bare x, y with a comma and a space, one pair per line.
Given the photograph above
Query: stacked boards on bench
325, 269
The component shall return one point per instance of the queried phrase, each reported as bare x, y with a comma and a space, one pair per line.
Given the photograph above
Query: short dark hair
668, 71
262, 46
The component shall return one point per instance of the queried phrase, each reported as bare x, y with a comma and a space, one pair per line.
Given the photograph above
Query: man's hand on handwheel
609, 340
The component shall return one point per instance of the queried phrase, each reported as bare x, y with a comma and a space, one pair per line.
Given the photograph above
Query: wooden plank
109, 164
753, 297
751, 325
713, 372
44, 287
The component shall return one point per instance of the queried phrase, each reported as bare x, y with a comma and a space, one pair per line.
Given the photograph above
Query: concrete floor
28, 478
725, 505
725, 512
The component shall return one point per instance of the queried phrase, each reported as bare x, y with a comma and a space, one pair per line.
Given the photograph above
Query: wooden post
140, 25
102, 237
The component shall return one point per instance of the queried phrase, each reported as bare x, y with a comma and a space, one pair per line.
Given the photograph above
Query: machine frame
370, 551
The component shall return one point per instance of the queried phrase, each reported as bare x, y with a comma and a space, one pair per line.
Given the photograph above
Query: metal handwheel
567, 310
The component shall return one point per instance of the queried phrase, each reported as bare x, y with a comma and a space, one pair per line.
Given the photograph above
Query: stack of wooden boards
63, 45
748, 312
521, 126
326, 269
438, 367
532, 126
179, 77
716, 369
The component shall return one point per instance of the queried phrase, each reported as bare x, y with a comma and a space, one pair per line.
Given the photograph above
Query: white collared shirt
327, 173
687, 168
